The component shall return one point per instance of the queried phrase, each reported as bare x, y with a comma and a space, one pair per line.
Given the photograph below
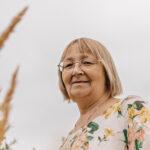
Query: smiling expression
82, 83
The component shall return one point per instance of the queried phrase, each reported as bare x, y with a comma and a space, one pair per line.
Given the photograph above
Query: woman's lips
79, 82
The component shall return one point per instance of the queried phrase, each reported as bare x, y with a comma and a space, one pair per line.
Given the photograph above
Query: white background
39, 117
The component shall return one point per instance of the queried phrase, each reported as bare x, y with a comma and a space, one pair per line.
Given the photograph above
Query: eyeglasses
69, 65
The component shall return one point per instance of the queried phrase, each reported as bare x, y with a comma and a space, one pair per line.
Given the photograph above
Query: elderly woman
88, 77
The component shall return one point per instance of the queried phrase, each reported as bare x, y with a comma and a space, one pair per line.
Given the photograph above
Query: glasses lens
68, 65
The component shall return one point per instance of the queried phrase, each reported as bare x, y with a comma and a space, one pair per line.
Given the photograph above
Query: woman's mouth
80, 82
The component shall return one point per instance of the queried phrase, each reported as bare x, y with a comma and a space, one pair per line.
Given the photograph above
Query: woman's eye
68, 65
87, 62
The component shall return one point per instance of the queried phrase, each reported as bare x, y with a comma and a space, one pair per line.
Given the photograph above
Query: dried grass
4, 36
6, 106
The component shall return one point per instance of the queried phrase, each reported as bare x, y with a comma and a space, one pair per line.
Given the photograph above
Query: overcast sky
39, 116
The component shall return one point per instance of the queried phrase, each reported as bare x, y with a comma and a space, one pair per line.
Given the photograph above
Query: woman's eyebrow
84, 56
69, 59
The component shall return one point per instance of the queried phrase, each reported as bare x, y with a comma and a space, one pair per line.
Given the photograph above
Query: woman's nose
77, 69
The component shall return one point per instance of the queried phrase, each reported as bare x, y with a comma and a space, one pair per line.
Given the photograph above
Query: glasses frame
61, 68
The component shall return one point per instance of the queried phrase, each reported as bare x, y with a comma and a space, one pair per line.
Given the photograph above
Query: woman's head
87, 68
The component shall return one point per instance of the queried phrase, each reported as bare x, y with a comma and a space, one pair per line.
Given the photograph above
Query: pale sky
39, 116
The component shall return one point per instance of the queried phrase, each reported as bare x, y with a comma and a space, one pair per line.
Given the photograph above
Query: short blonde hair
112, 81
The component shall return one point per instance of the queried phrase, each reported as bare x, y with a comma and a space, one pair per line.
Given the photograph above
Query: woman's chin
79, 93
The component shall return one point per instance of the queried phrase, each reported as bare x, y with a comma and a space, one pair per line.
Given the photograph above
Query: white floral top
124, 126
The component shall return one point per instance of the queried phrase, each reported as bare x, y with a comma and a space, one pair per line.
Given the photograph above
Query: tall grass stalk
4, 36
5, 106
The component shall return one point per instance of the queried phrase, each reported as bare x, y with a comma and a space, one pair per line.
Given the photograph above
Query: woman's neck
88, 104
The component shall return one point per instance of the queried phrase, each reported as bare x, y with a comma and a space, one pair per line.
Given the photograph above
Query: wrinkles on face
83, 83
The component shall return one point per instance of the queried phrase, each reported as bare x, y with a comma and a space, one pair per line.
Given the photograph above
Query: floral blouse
123, 126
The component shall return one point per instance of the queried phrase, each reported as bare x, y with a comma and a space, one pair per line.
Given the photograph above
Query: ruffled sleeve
137, 132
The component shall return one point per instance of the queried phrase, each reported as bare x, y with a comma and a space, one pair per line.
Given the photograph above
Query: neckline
73, 131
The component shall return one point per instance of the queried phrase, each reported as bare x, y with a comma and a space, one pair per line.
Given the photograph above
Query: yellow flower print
144, 115
132, 112
107, 113
108, 132
114, 108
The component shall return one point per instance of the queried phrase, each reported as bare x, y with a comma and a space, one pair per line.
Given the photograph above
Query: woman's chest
100, 133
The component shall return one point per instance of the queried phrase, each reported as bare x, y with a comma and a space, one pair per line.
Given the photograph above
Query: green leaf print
130, 105
119, 113
138, 144
139, 104
90, 138
99, 138
93, 127
125, 135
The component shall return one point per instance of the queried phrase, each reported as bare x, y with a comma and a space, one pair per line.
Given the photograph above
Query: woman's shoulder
135, 106
135, 100
130, 98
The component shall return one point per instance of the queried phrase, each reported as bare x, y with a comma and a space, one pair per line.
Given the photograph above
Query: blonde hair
112, 81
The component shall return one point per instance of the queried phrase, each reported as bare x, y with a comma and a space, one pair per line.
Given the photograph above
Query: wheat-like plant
4, 36
6, 105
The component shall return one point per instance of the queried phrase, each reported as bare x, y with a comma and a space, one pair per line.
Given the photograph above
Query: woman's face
83, 81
